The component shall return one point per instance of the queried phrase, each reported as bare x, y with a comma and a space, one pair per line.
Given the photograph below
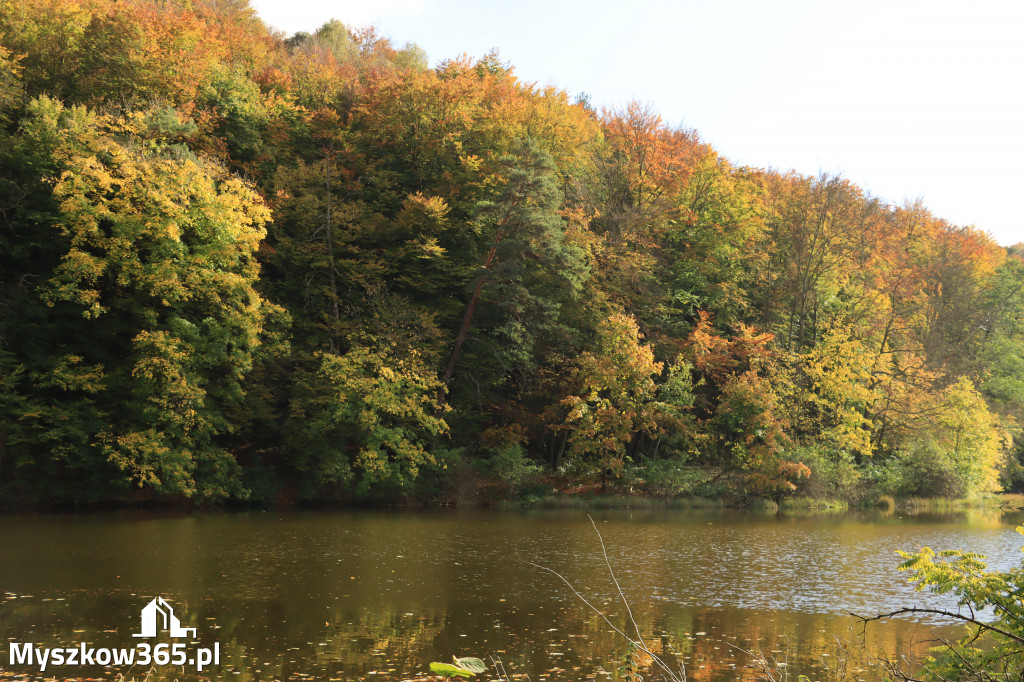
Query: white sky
907, 98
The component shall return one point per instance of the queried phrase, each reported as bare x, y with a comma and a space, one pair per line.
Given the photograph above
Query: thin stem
615, 580
639, 643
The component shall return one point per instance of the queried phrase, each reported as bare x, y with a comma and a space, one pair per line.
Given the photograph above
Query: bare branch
615, 580
639, 642
940, 612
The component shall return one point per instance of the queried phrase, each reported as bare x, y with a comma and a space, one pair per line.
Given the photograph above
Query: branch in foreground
940, 612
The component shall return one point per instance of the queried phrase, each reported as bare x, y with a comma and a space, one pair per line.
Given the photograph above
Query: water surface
380, 594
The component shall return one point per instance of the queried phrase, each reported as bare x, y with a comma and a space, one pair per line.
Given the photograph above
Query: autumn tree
617, 398
136, 320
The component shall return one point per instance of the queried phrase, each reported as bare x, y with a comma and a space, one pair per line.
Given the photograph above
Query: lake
377, 595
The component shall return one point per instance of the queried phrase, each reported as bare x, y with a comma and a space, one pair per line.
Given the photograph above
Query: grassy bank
553, 498
568, 501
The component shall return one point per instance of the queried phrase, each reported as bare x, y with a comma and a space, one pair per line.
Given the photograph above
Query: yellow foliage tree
838, 370
615, 395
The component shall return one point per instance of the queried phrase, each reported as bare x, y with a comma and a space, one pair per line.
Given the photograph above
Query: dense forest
236, 265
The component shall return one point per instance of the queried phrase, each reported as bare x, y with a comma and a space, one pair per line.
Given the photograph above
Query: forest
237, 266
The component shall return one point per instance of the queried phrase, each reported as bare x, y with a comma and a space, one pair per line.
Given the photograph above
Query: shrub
671, 478
512, 465
834, 473
991, 649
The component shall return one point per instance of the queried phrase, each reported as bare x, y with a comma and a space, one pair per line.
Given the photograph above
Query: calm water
378, 595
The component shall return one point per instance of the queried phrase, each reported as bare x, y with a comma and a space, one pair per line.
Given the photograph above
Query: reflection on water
348, 594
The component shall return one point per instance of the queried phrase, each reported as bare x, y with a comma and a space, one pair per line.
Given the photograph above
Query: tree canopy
235, 265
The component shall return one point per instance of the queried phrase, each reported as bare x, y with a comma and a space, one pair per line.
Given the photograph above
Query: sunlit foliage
234, 263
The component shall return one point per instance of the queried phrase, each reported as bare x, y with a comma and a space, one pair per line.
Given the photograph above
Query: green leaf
449, 670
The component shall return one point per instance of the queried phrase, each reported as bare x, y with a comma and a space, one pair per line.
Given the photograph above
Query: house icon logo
158, 615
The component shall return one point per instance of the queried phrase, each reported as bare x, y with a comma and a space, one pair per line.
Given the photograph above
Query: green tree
1000, 360
366, 421
709, 248
529, 269
140, 320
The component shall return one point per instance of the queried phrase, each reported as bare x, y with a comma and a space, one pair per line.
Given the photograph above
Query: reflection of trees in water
387, 641
558, 638
565, 642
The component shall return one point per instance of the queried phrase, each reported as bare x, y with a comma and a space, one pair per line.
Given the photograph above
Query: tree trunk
561, 450
460, 338
330, 251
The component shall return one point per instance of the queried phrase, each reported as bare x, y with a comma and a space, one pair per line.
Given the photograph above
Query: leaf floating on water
472, 664
449, 670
